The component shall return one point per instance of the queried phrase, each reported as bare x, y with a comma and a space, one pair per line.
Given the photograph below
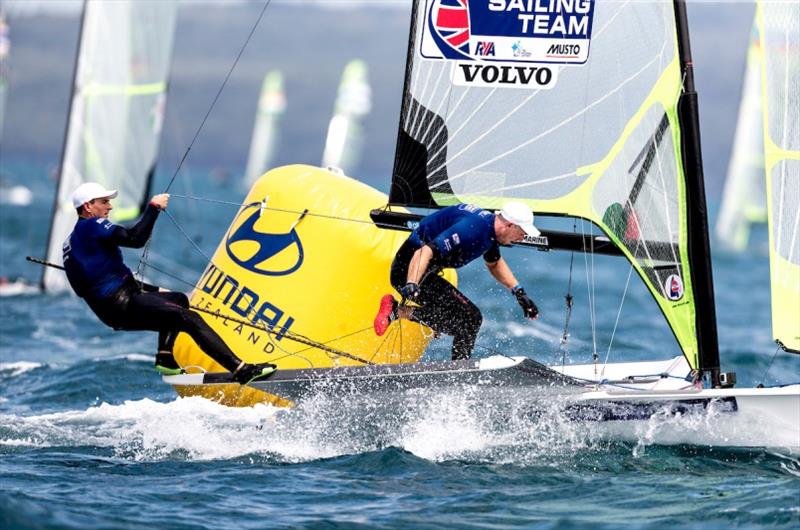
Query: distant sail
744, 200
345, 140
271, 105
576, 114
5, 49
116, 112
779, 26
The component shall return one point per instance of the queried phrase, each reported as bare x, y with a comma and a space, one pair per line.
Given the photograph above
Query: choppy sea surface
91, 438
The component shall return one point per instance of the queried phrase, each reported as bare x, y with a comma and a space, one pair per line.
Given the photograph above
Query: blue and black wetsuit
456, 235
95, 269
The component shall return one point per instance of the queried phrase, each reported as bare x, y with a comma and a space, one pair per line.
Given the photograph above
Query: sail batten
116, 112
581, 120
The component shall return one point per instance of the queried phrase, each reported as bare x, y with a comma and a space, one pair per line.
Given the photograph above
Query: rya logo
259, 252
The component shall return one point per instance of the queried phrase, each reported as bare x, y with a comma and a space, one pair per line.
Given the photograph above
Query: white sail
5, 48
572, 108
345, 138
744, 200
271, 105
780, 40
116, 112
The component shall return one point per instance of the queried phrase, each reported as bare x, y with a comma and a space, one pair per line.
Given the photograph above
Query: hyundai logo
259, 255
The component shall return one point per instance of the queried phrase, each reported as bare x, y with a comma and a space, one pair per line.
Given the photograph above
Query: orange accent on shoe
381, 323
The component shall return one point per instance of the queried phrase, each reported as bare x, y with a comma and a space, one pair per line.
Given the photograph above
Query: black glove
410, 291
529, 309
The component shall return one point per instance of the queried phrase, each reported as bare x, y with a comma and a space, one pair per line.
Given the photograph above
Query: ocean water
91, 438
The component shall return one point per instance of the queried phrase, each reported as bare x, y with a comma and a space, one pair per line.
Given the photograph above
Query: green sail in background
779, 27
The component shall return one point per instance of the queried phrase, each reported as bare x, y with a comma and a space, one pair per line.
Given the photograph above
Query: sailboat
345, 139
562, 106
271, 105
744, 201
116, 113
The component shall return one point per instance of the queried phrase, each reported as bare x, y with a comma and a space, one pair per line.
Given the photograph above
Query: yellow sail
779, 27
318, 275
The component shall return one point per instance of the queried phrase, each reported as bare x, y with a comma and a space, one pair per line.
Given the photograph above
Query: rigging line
335, 339
589, 291
616, 322
383, 342
219, 92
173, 276
282, 210
182, 231
297, 337
568, 302
769, 367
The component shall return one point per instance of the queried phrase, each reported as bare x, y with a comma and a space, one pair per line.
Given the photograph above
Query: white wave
136, 358
435, 427
19, 367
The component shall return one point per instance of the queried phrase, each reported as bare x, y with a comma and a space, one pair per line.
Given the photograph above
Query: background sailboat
345, 138
271, 105
116, 112
744, 201
779, 27
10, 192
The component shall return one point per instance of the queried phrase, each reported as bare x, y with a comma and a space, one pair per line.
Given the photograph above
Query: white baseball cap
89, 191
520, 215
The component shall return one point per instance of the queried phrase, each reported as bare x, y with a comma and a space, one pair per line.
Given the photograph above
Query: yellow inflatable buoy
301, 257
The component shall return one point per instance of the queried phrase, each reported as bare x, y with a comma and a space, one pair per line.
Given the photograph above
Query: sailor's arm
137, 235
502, 273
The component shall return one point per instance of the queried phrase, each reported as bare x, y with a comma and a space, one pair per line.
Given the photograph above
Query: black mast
697, 216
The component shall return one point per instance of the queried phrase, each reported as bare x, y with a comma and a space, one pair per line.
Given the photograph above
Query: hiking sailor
451, 238
95, 269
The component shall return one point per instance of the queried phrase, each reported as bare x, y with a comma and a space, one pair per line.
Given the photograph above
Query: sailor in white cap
451, 238
95, 269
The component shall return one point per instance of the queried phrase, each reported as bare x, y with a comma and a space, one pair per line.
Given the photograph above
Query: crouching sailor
96, 272
451, 238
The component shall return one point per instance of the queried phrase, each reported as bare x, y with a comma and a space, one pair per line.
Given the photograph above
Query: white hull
669, 410
646, 402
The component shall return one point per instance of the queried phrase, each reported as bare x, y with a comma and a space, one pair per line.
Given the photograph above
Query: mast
57, 194
697, 215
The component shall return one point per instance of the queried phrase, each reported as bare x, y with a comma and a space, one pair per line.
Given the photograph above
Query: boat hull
645, 402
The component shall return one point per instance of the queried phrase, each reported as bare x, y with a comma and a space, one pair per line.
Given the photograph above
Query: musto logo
261, 252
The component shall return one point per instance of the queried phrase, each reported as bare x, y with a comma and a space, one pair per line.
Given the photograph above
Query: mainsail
345, 139
744, 200
271, 104
779, 26
116, 111
577, 108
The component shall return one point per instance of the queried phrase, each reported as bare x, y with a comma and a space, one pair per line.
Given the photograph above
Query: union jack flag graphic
452, 23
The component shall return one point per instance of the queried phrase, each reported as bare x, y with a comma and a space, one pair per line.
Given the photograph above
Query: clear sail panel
780, 39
